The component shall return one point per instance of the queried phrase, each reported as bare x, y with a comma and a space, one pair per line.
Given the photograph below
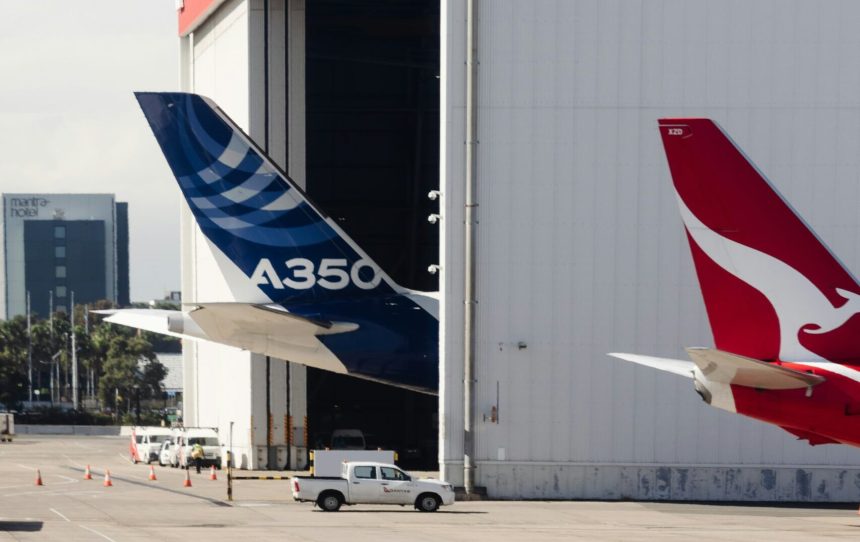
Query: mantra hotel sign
26, 207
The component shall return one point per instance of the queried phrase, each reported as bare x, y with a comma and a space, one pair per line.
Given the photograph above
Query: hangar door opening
372, 98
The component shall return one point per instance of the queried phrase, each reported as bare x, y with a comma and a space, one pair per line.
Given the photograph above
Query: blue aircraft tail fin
252, 211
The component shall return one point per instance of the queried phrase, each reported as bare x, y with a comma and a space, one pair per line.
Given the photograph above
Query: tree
129, 363
13, 361
153, 374
117, 359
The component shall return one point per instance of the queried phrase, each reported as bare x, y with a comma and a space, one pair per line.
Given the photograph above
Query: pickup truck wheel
330, 501
427, 502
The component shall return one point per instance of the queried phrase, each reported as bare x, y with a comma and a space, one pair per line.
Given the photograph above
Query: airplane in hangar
784, 312
302, 290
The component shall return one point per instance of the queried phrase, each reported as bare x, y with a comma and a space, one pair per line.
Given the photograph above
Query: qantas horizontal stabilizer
676, 366
719, 366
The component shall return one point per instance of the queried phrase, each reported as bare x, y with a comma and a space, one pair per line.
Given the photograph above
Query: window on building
61, 291
61, 308
60, 252
60, 271
59, 232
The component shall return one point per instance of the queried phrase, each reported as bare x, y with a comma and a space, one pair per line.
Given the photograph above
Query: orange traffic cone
212, 473
39, 478
187, 482
108, 482
87, 474
152, 473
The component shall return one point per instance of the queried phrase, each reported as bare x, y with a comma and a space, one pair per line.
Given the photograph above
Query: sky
70, 122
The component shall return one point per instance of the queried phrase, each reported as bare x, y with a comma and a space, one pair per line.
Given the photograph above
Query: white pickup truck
372, 483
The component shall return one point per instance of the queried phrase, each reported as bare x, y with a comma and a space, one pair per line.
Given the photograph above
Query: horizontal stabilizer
234, 320
719, 366
271, 330
676, 366
155, 320
233, 323
266, 329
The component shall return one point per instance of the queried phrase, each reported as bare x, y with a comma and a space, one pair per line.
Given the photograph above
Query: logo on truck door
389, 490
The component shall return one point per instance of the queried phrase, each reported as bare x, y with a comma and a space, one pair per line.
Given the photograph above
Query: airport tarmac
69, 508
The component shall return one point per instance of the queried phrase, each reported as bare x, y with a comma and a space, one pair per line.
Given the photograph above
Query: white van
164, 452
146, 443
169, 451
207, 437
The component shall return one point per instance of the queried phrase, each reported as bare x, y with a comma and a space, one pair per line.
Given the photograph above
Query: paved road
67, 508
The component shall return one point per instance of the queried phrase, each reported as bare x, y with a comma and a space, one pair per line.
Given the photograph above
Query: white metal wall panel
581, 250
222, 378
227, 63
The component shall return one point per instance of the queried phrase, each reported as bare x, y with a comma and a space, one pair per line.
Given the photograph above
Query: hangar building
579, 247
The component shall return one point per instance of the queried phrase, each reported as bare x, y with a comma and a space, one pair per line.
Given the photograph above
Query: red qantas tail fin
772, 289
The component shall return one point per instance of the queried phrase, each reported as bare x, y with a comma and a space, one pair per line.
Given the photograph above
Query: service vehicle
170, 454
365, 482
330, 462
146, 443
7, 426
164, 453
207, 437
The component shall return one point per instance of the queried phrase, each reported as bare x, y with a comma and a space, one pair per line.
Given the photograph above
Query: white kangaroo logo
796, 300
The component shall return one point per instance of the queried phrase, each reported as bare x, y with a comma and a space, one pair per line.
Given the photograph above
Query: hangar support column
471, 205
294, 115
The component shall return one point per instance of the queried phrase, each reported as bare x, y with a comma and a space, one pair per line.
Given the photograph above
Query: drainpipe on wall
471, 205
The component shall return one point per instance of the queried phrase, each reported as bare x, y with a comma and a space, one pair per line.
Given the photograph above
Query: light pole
230, 462
29, 352
74, 357
137, 404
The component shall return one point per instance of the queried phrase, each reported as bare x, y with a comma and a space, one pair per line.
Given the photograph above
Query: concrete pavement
69, 508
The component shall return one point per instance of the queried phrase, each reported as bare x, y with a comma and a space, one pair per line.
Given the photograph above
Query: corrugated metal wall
224, 59
581, 249
216, 66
